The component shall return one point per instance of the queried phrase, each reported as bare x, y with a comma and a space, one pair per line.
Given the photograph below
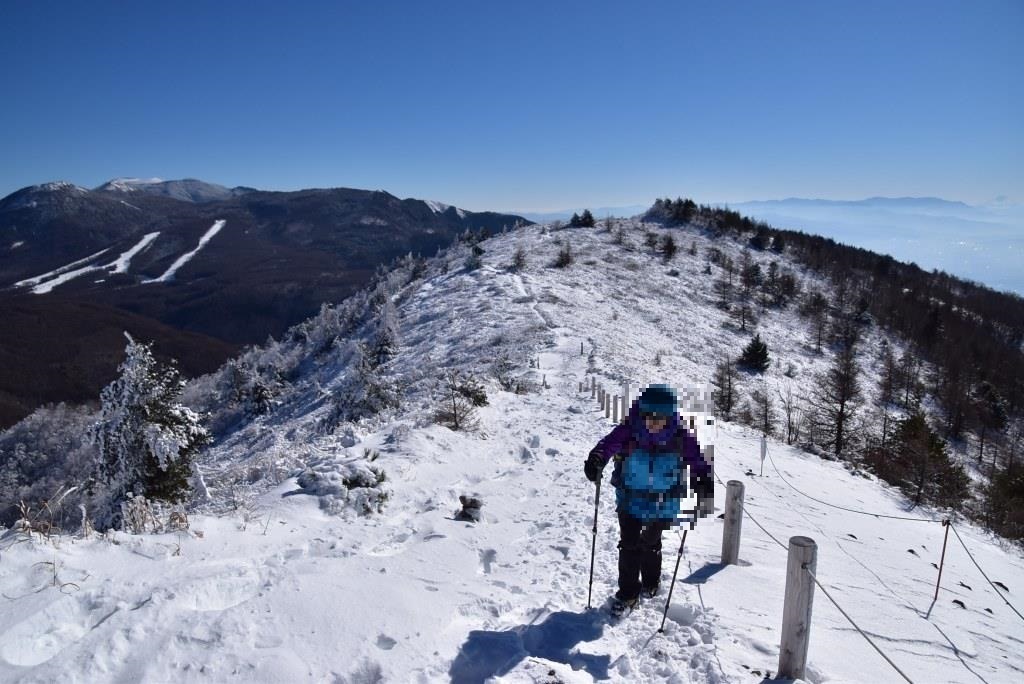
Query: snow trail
185, 258
118, 265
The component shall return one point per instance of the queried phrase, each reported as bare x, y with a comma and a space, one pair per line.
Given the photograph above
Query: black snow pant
639, 554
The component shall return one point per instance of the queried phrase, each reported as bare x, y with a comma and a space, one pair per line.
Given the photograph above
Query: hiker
652, 450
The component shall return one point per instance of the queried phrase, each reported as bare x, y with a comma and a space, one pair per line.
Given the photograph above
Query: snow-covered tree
146, 439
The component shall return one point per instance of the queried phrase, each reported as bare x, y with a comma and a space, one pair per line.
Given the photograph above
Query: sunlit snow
44, 283
276, 589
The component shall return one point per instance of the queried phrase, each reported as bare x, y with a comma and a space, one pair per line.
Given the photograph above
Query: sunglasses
654, 416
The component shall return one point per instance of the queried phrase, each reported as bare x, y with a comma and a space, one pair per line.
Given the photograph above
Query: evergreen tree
1005, 502
815, 307
145, 438
564, 257
918, 463
586, 219
990, 409
755, 356
668, 247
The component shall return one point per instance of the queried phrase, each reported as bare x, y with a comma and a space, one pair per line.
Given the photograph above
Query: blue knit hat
658, 399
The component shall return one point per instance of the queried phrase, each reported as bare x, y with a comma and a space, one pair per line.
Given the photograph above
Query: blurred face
655, 423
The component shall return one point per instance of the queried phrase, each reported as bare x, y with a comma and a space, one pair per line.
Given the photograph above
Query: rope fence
897, 517
843, 508
825, 591
994, 587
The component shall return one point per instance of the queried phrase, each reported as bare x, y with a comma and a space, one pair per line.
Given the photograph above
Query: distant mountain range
982, 243
230, 266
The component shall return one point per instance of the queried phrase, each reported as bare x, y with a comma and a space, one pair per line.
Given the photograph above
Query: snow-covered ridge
268, 587
185, 258
441, 207
128, 184
56, 186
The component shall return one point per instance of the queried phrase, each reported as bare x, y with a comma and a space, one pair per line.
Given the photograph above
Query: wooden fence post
607, 405
615, 409
593, 390
733, 522
796, 613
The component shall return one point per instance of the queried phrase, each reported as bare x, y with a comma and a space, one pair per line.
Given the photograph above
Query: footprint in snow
229, 587
44, 634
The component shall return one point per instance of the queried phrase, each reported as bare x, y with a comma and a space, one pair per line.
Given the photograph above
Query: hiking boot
650, 592
622, 606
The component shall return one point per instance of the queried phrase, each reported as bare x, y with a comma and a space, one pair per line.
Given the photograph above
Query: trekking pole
593, 545
673, 585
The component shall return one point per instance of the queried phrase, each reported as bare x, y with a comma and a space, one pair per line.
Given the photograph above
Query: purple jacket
653, 497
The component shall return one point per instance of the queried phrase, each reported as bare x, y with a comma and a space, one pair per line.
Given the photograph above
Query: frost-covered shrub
352, 483
473, 260
43, 455
503, 370
564, 257
365, 391
461, 393
141, 516
518, 260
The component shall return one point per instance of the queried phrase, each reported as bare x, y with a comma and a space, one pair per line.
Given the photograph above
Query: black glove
593, 466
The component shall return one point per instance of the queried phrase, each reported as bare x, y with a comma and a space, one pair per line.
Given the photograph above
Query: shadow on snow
489, 654
705, 573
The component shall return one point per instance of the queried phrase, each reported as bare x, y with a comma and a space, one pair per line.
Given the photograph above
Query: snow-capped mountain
330, 550
186, 190
150, 247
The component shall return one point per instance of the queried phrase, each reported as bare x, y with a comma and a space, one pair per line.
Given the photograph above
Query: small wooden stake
733, 522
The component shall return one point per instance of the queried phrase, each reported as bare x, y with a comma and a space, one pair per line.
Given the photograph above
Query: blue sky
522, 105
